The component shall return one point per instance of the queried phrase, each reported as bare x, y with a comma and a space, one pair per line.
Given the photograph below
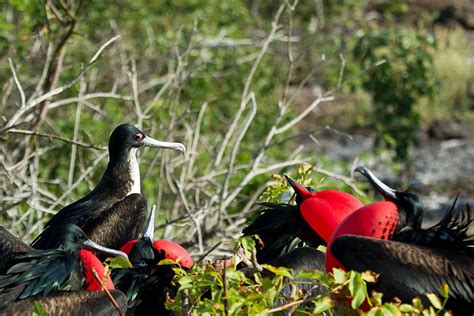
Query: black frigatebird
148, 284
114, 212
414, 261
67, 266
71, 303
281, 227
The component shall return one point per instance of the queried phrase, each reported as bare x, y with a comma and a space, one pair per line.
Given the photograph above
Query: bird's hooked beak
150, 227
387, 192
89, 244
300, 191
150, 142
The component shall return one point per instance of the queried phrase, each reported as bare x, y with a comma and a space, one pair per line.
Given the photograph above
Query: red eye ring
138, 136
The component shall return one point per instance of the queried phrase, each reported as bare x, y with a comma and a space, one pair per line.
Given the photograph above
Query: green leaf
369, 276
279, 271
434, 300
119, 263
322, 248
248, 244
165, 262
310, 274
376, 298
444, 290
340, 276
323, 305
390, 309
39, 310
406, 308
357, 289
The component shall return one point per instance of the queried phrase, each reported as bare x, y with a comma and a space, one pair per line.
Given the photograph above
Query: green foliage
211, 291
118, 263
39, 310
403, 74
279, 187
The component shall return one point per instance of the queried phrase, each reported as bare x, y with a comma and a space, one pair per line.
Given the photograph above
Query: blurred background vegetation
396, 74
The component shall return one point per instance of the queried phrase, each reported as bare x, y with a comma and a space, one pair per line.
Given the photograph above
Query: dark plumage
299, 259
281, 228
417, 260
9, 246
408, 271
41, 272
115, 210
71, 303
147, 284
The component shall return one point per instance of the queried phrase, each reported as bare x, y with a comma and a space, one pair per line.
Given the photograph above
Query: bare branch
18, 84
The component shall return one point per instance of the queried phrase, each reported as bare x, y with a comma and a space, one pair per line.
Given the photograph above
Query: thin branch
18, 84
191, 215
235, 149
107, 292
31, 104
303, 114
50, 136
249, 80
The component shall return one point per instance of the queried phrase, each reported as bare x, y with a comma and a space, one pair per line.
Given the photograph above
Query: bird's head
126, 136
409, 205
71, 237
302, 193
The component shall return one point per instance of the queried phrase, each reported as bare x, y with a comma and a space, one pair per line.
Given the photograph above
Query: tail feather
454, 230
281, 229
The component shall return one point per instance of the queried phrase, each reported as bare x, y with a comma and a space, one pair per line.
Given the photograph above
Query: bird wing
120, 223
79, 213
37, 272
76, 302
281, 228
408, 270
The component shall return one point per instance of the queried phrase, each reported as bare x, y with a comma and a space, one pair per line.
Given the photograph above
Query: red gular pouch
128, 246
175, 252
169, 249
89, 262
377, 220
324, 210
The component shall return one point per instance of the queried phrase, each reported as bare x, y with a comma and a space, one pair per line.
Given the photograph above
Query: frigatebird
71, 303
282, 227
415, 261
114, 212
148, 284
67, 266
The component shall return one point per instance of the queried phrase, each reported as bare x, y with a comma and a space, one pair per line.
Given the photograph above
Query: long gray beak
150, 142
89, 244
150, 227
386, 191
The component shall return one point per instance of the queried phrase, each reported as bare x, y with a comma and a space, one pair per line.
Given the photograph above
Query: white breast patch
134, 171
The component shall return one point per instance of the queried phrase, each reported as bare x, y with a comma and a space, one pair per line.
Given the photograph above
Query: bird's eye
138, 136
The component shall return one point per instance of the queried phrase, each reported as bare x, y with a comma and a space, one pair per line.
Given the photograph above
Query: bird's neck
122, 174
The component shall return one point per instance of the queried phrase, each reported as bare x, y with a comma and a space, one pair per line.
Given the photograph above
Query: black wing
120, 223
37, 273
106, 223
75, 302
281, 228
408, 271
9, 246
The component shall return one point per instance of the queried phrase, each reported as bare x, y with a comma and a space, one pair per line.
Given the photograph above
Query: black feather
281, 229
